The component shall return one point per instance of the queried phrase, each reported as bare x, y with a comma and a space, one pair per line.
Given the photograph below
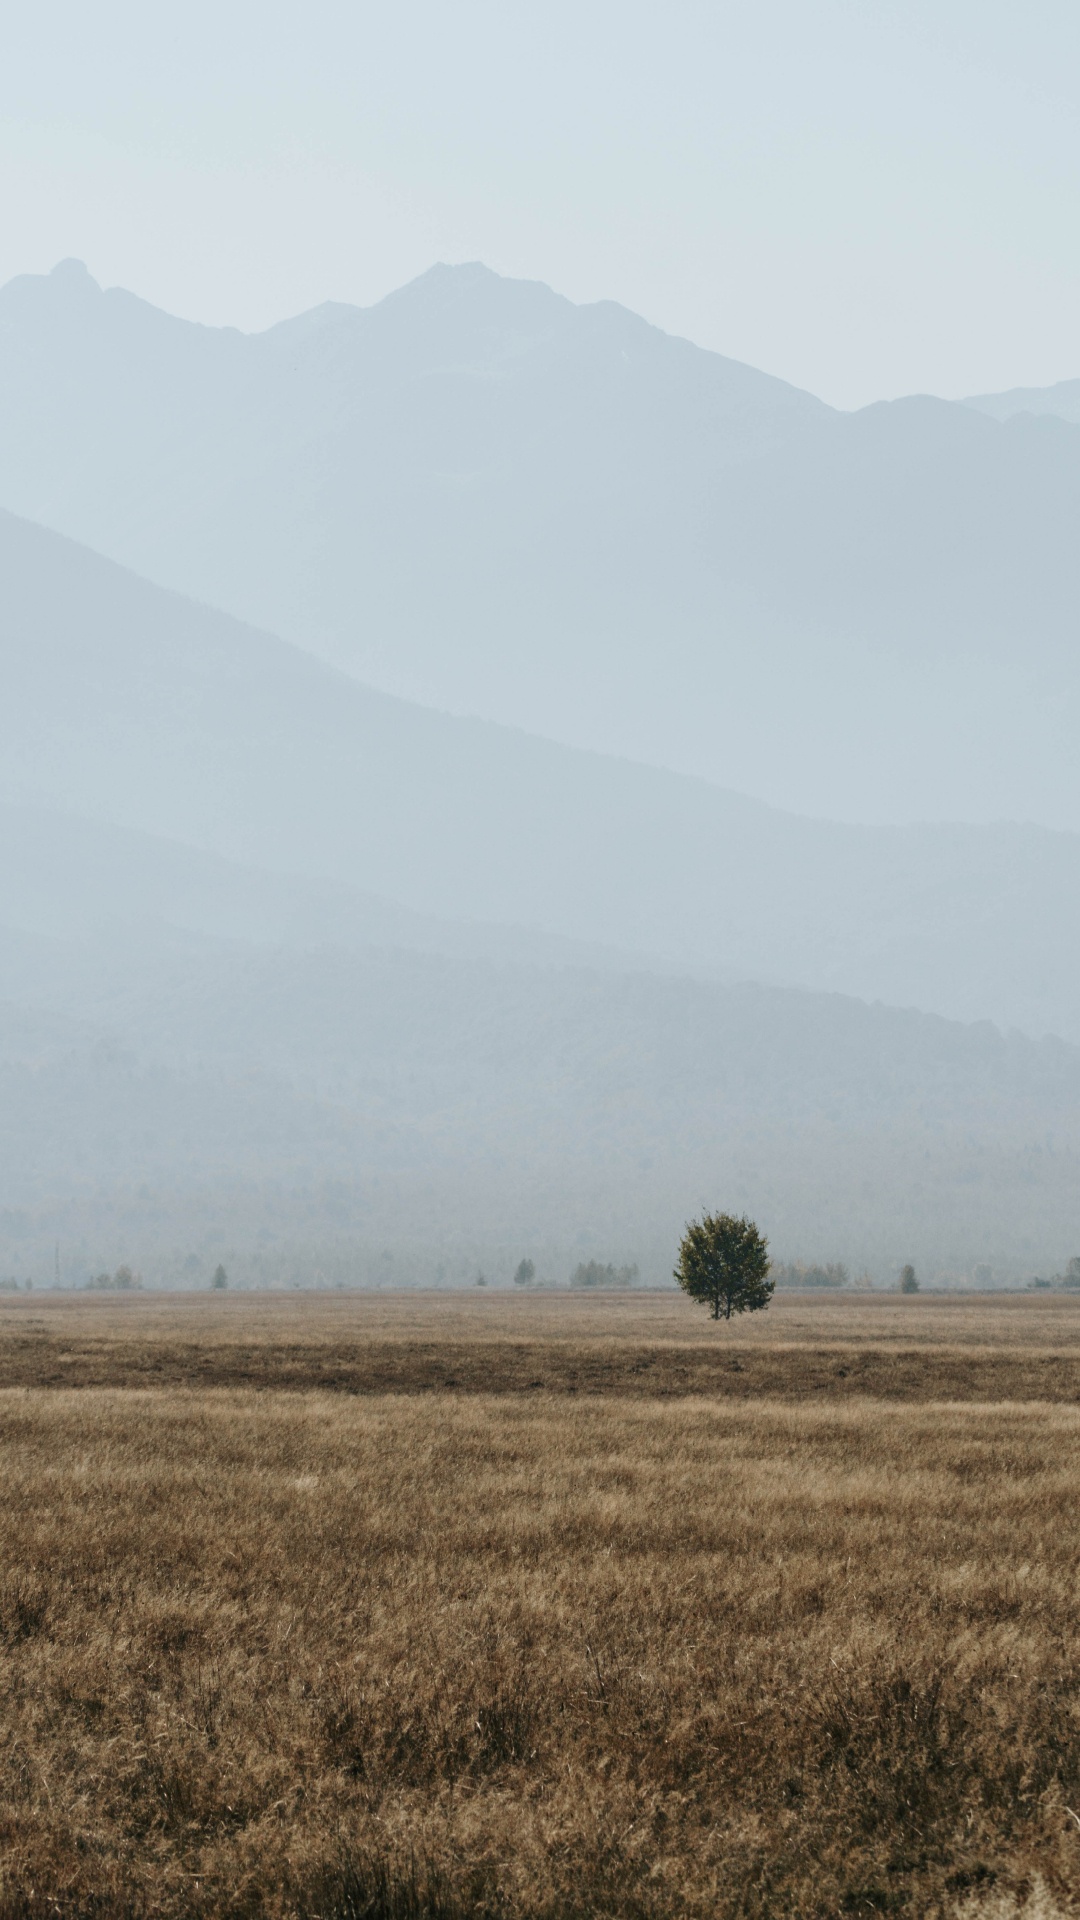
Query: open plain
338, 1605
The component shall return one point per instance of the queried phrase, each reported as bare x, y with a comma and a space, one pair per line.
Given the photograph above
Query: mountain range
328, 981
482, 497
302, 975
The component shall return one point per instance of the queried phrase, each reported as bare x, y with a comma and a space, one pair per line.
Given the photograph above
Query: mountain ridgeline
481, 496
307, 976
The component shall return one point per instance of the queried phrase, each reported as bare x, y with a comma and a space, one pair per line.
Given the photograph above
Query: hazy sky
867, 198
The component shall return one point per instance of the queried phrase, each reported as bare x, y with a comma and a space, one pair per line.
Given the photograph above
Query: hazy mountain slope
72, 875
481, 495
420, 1035
120, 700
454, 1109
83, 1113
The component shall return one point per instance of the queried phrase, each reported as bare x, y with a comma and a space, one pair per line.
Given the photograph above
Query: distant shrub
9, 1286
525, 1273
220, 1279
908, 1280
1071, 1277
122, 1281
591, 1273
794, 1273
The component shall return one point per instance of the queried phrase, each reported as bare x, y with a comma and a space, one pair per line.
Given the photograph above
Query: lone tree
908, 1280
526, 1272
724, 1262
220, 1279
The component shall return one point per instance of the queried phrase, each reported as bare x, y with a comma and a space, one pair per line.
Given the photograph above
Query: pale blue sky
869, 199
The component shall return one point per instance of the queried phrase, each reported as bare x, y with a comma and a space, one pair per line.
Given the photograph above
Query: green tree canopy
908, 1280
724, 1262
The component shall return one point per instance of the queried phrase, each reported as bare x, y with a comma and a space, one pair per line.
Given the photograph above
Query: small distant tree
593, 1273
1072, 1272
525, 1273
122, 1281
724, 1263
794, 1273
220, 1279
908, 1280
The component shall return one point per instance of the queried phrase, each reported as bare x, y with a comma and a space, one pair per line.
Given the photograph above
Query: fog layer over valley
370, 1114
480, 495
337, 988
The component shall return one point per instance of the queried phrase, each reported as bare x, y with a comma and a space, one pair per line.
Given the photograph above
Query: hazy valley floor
789, 1632
1011, 1346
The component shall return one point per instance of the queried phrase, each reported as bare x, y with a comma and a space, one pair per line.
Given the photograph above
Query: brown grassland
329, 1607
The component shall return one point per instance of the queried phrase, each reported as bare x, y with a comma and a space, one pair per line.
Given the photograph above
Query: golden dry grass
963, 1347
277, 1653
981, 1319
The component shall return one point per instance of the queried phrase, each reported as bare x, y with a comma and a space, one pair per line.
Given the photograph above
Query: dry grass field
403, 1607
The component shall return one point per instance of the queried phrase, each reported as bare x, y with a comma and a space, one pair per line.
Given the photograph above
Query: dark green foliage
908, 1280
724, 1262
220, 1279
526, 1272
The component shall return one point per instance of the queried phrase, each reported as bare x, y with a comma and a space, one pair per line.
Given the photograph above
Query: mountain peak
74, 273
462, 271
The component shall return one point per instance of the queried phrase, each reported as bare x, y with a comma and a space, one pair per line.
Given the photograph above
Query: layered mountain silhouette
303, 976
1059, 402
480, 496
133, 706
302, 972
